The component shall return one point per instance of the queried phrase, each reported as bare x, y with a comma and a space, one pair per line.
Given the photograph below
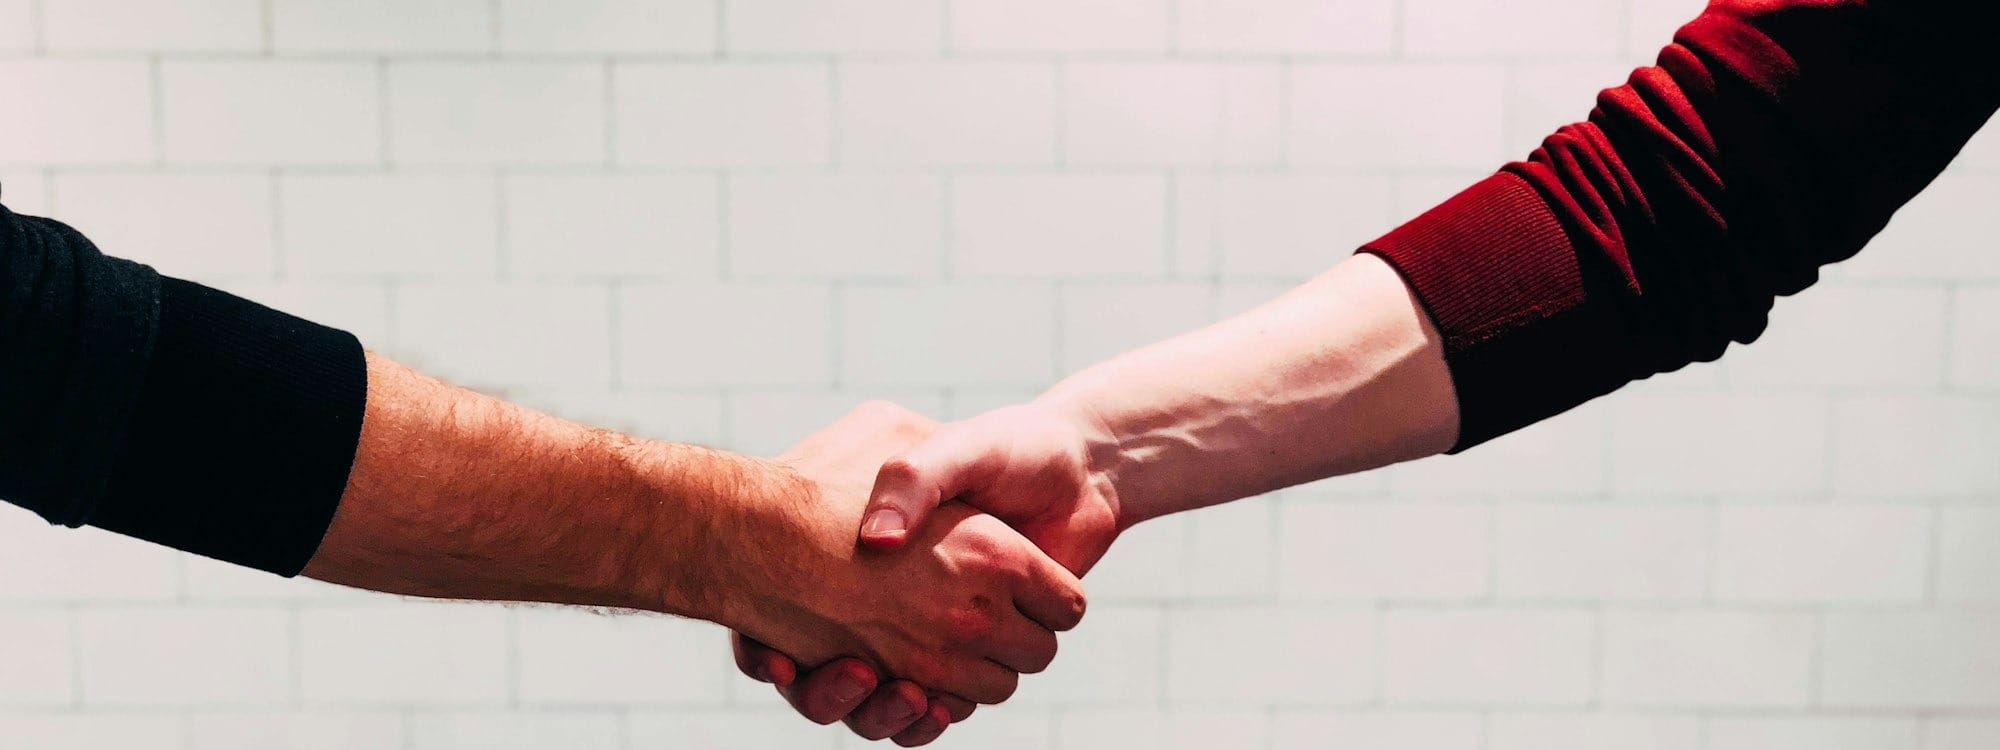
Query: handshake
890, 570
944, 555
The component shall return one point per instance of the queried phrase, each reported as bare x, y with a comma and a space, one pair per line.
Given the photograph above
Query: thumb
954, 461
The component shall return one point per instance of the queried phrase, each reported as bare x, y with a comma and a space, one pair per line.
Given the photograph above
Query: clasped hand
1011, 570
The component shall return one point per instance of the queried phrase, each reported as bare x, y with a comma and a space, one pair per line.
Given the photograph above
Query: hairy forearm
458, 495
1340, 375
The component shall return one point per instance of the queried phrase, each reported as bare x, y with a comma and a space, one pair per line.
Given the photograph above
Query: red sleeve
1773, 137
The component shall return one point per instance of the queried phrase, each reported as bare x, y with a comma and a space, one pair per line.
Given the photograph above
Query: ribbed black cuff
243, 435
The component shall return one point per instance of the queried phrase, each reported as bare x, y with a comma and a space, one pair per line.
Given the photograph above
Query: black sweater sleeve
166, 410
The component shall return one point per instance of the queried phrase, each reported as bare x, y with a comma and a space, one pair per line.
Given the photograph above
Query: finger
1021, 645
982, 681
958, 708
1051, 595
954, 461
926, 729
890, 710
832, 691
760, 662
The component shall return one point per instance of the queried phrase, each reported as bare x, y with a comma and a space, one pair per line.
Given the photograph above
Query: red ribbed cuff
1499, 277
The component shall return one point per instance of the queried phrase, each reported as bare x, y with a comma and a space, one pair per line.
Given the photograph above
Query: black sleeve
166, 410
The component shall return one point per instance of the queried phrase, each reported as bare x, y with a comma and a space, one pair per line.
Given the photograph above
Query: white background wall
728, 221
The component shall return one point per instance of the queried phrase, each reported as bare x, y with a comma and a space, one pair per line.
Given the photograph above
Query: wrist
1111, 466
711, 511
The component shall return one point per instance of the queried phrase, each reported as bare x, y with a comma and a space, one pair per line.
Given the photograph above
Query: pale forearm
1340, 375
455, 494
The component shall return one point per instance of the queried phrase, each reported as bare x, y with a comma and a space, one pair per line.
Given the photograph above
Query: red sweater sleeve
1771, 138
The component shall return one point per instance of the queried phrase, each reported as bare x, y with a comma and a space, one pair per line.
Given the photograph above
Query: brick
41, 563
1336, 120
618, 227
1821, 733
1379, 550
1975, 346
1920, 445
717, 334
1943, 234
145, 657
953, 334
1004, 729
1033, 26
379, 26
1843, 336
574, 657
508, 334
1945, 733
768, 424
1490, 657
39, 652
961, 403
491, 731
1287, 26
433, 654
1707, 659
820, 26
1192, 114
285, 113
1329, 655
1968, 557
675, 417
1058, 225
93, 732
17, 26
608, 26
1654, 22
1164, 730
880, 226
947, 113
1112, 659
1147, 564
496, 113
1547, 96
348, 226
209, 581
1909, 660
1618, 552
76, 112
740, 114
1511, 28
1819, 553
1286, 226
1231, 550
360, 309
1981, 154
163, 26
296, 731
1304, 731
26, 192
1694, 443
191, 226
1592, 732
1566, 454
728, 730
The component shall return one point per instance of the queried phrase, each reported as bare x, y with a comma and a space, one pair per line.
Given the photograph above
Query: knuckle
970, 624
1005, 688
900, 470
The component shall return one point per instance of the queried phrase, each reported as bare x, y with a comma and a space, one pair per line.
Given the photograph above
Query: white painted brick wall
730, 221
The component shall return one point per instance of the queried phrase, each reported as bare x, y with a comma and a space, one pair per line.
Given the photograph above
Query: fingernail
904, 711
849, 688
884, 522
